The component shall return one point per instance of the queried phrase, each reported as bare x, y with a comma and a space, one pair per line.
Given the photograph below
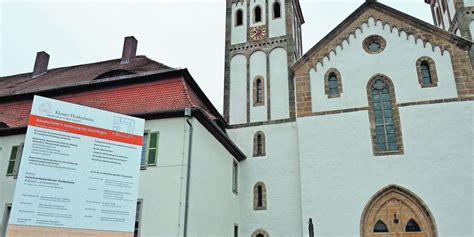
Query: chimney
129, 49
41, 64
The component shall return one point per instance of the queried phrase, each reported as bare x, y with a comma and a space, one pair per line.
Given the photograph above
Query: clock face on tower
258, 32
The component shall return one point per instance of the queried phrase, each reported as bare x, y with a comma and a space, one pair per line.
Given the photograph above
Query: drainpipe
187, 114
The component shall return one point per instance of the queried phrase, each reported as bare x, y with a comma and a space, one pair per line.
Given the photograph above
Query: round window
374, 44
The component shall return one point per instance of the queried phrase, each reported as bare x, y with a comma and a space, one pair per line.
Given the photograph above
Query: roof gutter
200, 115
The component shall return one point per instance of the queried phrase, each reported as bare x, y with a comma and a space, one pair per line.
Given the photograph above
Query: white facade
239, 33
279, 84
339, 173
355, 76
163, 187
258, 69
238, 97
471, 27
276, 25
279, 171
323, 166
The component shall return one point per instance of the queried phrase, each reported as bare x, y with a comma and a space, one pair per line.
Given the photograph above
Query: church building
369, 133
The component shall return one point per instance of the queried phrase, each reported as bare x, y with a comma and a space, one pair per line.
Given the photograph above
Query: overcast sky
186, 34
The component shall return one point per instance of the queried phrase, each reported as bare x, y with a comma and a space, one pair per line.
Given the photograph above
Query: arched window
259, 197
332, 83
239, 18
380, 227
426, 69
258, 91
3, 125
257, 14
384, 117
412, 226
276, 10
259, 144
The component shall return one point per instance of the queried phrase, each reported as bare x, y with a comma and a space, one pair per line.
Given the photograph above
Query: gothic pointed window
239, 18
380, 227
259, 196
412, 226
257, 14
426, 69
332, 83
258, 91
384, 117
276, 10
259, 144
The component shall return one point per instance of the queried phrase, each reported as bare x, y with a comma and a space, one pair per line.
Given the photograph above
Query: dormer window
113, 73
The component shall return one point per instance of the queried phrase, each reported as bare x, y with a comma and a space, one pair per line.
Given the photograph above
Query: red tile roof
69, 76
155, 96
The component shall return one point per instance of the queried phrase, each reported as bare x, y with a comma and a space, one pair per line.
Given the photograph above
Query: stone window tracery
384, 117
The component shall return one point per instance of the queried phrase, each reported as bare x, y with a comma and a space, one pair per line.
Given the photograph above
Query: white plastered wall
279, 84
238, 87
277, 26
397, 61
161, 186
213, 206
471, 27
258, 67
253, 4
239, 33
279, 171
339, 173
7, 184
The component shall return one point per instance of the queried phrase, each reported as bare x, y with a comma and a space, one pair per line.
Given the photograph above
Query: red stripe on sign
85, 130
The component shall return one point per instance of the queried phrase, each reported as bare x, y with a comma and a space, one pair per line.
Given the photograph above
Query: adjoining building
369, 132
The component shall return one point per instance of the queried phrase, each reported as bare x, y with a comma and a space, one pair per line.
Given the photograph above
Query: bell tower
263, 39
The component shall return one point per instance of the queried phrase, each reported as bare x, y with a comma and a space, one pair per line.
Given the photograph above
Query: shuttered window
14, 161
153, 148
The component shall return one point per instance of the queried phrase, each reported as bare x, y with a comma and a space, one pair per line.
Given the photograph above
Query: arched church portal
395, 211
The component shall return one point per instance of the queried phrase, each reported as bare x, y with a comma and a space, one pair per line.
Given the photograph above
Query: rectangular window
143, 163
14, 161
236, 230
138, 218
153, 148
6, 217
235, 177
